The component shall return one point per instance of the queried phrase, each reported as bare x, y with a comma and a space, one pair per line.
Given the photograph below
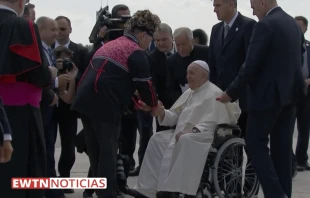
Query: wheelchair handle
233, 127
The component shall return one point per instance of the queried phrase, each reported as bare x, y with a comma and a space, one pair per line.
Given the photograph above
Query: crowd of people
254, 74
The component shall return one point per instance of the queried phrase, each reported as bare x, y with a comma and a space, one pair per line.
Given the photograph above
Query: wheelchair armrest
228, 126
233, 127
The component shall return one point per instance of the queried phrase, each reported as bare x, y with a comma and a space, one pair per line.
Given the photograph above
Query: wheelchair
227, 174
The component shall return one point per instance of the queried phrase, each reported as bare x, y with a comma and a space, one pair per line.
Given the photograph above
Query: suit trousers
274, 169
128, 136
102, 145
303, 126
50, 134
67, 122
145, 126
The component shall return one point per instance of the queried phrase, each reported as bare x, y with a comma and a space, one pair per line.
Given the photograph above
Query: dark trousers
145, 126
303, 126
128, 136
67, 122
50, 132
242, 122
102, 145
89, 191
274, 170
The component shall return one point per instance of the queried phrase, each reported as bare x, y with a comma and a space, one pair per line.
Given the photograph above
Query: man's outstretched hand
6, 151
159, 110
224, 98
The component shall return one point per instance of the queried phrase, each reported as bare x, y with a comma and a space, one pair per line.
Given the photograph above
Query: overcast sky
176, 13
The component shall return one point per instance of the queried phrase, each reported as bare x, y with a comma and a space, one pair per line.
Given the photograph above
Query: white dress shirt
66, 45
3, 7
230, 24
271, 10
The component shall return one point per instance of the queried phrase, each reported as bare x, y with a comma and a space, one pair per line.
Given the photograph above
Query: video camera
114, 29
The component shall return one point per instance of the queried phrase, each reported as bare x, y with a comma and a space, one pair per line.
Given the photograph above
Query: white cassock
177, 167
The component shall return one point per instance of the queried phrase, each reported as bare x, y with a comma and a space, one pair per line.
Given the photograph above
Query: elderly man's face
196, 76
50, 32
183, 44
163, 41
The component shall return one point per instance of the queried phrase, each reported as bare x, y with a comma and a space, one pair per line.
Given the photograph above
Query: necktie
226, 29
51, 55
168, 54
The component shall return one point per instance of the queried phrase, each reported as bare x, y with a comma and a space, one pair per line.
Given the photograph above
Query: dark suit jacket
177, 70
158, 67
308, 53
273, 64
48, 93
227, 56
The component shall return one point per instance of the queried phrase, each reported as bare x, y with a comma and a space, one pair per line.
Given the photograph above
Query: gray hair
183, 30
163, 27
41, 22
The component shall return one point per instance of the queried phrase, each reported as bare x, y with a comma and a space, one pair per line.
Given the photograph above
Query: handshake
158, 111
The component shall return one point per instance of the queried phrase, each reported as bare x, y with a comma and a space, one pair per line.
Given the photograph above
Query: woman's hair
142, 20
62, 49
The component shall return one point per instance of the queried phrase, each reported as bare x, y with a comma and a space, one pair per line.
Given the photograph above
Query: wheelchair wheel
232, 178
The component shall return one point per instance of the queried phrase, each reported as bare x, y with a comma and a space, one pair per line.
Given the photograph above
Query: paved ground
300, 184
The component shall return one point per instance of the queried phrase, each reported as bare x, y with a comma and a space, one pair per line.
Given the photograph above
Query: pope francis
175, 159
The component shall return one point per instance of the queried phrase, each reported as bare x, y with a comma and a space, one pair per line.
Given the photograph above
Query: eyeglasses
62, 29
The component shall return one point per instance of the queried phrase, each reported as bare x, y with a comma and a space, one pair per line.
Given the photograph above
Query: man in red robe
22, 77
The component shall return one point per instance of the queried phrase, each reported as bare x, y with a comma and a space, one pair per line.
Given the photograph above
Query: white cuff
56, 82
7, 137
165, 121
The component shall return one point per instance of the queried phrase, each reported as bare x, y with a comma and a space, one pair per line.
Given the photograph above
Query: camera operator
117, 12
106, 89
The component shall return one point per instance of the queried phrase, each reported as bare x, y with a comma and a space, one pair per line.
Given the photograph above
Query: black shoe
294, 173
135, 172
300, 168
87, 195
119, 194
134, 193
68, 191
307, 166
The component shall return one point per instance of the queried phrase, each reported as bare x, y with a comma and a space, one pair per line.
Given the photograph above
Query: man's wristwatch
195, 130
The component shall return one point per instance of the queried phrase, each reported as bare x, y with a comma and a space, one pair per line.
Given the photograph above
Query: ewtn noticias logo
59, 183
